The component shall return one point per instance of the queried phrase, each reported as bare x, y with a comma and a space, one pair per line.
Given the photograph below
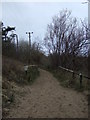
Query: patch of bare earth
45, 98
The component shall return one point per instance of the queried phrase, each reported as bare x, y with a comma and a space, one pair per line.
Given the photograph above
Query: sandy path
46, 98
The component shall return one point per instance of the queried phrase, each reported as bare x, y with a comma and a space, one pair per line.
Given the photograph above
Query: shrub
32, 73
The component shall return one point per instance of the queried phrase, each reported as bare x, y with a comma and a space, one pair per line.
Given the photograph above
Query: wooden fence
73, 73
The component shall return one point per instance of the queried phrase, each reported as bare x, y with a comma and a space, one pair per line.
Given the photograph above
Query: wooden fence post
73, 77
80, 80
26, 69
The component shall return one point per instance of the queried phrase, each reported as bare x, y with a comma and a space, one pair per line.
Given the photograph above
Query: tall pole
29, 33
17, 40
29, 49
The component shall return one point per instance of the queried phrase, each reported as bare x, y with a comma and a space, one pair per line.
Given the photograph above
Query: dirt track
47, 99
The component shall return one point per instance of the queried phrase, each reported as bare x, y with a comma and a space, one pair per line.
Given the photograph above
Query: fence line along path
73, 73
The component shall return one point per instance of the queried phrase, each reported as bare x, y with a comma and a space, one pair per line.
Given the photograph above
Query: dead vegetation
13, 72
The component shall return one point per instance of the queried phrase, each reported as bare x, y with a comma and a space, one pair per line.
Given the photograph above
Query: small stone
59, 98
70, 104
84, 108
8, 102
83, 101
45, 107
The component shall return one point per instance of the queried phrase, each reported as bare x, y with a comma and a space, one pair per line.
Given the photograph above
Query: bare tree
64, 37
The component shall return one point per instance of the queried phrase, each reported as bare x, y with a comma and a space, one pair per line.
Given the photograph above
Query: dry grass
10, 65
13, 72
65, 79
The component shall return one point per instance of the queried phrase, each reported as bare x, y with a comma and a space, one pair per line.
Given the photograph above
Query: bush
32, 73
13, 72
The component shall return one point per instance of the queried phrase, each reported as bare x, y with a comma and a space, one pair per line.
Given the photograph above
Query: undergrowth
13, 72
66, 80
32, 74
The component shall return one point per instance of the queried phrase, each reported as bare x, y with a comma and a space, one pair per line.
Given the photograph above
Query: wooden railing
27, 66
73, 73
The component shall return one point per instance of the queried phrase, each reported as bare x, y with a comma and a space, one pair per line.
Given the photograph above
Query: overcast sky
28, 16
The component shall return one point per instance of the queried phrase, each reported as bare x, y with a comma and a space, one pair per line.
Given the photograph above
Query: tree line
66, 41
19, 50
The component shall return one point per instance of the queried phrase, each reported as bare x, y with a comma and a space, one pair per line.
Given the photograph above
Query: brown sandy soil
45, 98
